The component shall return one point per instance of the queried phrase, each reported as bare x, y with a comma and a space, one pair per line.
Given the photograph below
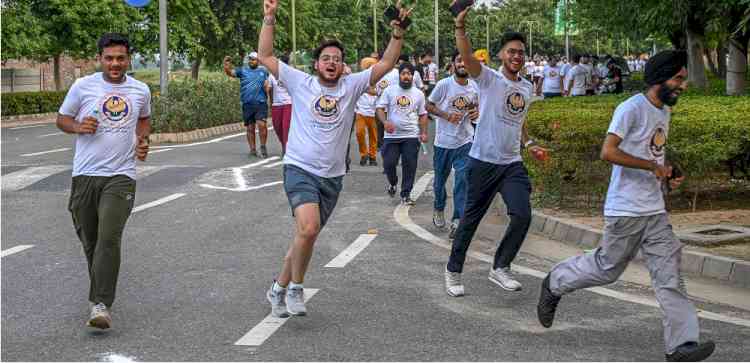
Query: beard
461, 72
405, 84
666, 95
253, 66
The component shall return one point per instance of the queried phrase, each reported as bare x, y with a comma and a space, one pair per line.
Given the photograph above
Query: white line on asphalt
257, 335
23, 178
15, 249
142, 171
274, 164
158, 151
27, 127
401, 214
267, 160
200, 143
352, 251
47, 152
245, 189
52, 134
158, 202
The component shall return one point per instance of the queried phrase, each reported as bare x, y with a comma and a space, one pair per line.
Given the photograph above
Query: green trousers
100, 207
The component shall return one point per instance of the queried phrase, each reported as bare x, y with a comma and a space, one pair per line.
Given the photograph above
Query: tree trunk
709, 54
736, 68
721, 59
195, 68
58, 72
696, 66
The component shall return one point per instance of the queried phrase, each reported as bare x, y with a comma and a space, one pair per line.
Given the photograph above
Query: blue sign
138, 3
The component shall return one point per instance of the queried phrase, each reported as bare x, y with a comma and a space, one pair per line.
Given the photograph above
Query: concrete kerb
699, 263
195, 135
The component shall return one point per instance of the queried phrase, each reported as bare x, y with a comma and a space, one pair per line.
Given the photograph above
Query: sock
277, 288
293, 285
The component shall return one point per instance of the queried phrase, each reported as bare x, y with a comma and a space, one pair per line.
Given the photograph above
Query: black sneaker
363, 161
373, 162
692, 352
545, 310
263, 152
407, 201
391, 189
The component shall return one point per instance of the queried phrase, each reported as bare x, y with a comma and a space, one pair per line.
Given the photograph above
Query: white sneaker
453, 285
452, 229
503, 278
278, 302
295, 301
100, 317
438, 219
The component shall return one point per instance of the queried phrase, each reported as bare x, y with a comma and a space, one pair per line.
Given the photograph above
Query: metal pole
163, 54
654, 48
437, 38
487, 32
531, 40
567, 36
597, 44
294, 33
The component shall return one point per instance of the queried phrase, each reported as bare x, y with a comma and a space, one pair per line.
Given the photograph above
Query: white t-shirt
503, 105
432, 71
392, 78
366, 105
321, 120
403, 108
589, 76
578, 75
643, 129
452, 97
280, 94
538, 70
564, 72
111, 150
551, 83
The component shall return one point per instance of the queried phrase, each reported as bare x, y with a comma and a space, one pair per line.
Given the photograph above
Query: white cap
253, 55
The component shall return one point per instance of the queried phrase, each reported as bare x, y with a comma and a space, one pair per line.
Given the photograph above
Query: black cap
664, 66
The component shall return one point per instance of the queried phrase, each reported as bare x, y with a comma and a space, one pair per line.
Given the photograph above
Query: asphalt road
195, 269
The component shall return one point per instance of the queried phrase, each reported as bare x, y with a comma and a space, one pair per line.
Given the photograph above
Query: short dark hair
404, 57
576, 58
325, 44
454, 56
284, 58
511, 36
113, 39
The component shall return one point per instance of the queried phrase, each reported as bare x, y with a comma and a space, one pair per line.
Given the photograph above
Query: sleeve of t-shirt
360, 81
421, 110
437, 93
291, 77
239, 73
418, 80
622, 121
383, 100
146, 108
485, 77
72, 103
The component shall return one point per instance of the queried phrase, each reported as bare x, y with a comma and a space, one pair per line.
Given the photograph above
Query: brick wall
71, 69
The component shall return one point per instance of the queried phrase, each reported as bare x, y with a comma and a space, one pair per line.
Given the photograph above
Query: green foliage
703, 134
194, 105
26, 103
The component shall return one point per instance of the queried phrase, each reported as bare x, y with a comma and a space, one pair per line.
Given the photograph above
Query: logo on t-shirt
326, 108
515, 104
403, 103
115, 108
383, 84
461, 103
553, 74
658, 142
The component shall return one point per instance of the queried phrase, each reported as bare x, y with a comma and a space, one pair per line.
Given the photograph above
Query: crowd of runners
480, 133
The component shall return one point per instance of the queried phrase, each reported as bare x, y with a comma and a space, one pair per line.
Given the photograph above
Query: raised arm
228, 67
471, 64
265, 41
393, 51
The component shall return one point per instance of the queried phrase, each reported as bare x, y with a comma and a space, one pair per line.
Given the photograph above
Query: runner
111, 115
281, 107
551, 80
453, 102
634, 213
253, 85
495, 163
316, 150
401, 110
576, 78
365, 122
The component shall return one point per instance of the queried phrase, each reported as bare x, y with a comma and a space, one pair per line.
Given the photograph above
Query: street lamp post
487, 30
163, 53
437, 36
374, 26
530, 23
294, 34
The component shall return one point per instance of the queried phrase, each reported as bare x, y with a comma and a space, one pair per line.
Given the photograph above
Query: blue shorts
252, 112
303, 187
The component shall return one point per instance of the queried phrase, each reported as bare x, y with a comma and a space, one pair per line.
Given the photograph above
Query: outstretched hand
269, 7
403, 13
459, 19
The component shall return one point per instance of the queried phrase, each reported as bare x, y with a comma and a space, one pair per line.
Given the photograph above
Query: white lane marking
199, 143
401, 214
274, 164
158, 202
352, 251
47, 152
258, 334
23, 178
15, 249
142, 171
52, 134
27, 127
245, 189
116, 358
266, 160
158, 151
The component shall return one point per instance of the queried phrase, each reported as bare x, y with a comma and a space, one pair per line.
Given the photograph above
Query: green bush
196, 105
27, 103
704, 133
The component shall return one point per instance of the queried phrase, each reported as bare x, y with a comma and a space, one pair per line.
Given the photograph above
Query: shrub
704, 133
195, 105
26, 103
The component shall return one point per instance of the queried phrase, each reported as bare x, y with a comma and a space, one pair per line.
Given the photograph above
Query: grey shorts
303, 187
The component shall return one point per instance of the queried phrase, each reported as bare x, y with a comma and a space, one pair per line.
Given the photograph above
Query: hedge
194, 105
26, 103
704, 133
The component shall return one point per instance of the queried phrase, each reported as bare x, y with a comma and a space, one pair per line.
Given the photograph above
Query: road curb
24, 120
699, 263
196, 135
